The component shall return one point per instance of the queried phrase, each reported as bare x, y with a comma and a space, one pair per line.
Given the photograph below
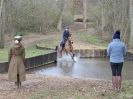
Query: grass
126, 93
48, 43
90, 39
3, 55
60, 94
30, 52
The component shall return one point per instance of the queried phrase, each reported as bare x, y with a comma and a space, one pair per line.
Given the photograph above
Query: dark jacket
65, 35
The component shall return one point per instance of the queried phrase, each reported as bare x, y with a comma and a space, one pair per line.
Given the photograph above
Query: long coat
17, 63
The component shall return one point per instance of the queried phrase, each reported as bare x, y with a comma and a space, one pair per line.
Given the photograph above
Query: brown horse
68, 49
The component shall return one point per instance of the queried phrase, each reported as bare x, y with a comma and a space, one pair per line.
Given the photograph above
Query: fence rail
95, 53
92, 53
33, 62
129, 56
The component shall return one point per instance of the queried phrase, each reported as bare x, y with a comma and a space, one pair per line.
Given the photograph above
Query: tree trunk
59, 26
131, 20
1, 25
60, 23
84, 13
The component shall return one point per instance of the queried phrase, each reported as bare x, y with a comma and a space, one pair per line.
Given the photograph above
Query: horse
68, 49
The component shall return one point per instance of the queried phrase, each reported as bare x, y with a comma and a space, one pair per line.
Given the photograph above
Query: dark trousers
116, 68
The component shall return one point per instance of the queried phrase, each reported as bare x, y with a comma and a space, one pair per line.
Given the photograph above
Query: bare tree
84, 13
131, 23
62, 5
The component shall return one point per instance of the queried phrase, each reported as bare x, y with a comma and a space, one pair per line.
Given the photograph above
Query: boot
19, 84
15, 83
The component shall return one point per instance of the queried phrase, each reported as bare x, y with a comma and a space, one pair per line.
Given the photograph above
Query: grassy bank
49, 43
30, 52
90, 39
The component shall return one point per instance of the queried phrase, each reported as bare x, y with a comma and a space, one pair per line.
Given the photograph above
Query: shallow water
96, 68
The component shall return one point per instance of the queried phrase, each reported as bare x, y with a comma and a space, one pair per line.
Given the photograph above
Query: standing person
16, 72
64, 39
116, 50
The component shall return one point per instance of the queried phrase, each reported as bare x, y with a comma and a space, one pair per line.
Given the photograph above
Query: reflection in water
67, 67
98, 68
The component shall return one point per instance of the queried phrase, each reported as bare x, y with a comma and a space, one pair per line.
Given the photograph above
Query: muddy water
96, 68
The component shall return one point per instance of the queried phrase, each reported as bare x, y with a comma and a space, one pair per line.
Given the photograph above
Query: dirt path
31, 39
38, 84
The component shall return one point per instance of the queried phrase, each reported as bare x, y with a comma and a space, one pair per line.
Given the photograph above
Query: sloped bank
33, 62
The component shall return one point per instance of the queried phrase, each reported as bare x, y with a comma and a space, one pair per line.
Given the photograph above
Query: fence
33, 62
92, 53
129, 55
98, 53
51, 57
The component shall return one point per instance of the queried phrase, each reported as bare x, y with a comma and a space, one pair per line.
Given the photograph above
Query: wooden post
131, 27
1, 25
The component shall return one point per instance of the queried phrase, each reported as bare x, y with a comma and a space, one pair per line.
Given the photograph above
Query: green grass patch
61, 94
49, 43
30, 52
91, 39
126, 92
3, 55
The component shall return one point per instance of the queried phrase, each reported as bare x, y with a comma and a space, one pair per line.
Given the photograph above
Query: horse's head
70, 41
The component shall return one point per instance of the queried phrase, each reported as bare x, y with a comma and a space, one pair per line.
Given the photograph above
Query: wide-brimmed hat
18, 37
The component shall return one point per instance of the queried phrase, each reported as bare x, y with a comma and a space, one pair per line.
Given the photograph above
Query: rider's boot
73, 57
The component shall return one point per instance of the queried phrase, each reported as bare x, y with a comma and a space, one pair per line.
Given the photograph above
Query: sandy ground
38, 83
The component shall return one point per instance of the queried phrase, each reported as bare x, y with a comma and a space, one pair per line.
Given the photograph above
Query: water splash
68, 58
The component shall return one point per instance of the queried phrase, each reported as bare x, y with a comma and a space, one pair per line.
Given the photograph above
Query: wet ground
96, 68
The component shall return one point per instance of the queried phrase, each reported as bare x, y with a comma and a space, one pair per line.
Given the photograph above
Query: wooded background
41, 16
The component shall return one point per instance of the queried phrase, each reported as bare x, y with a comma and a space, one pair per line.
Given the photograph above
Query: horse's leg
59, 51
63, 50
72, 55
66, 51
